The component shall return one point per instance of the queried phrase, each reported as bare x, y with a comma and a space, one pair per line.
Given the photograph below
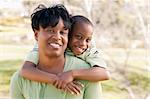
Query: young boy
80, 46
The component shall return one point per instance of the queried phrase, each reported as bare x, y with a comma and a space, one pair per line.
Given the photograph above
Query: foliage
120, 30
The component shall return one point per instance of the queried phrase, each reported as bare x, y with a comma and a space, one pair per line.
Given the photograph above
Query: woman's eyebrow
65, 28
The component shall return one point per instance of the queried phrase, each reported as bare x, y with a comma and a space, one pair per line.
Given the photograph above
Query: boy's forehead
81, 23
83, 29
82, 26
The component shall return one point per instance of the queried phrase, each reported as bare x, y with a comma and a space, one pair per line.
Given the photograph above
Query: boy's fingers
78, 83
69, 90
63, 85
78, 88
59, 86
55, 84
74, 88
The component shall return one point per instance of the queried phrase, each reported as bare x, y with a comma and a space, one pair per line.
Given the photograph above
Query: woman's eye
62, 32
49, 30
65, 29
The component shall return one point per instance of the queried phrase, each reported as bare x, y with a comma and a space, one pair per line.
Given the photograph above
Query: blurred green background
121, 32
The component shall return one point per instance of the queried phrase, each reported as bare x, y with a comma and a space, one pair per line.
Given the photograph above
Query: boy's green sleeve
94, 57
33, 57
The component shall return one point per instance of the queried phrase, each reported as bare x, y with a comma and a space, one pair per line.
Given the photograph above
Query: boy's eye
88, 40
78, 37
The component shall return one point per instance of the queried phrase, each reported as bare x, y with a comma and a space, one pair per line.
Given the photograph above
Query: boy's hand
64, 79
74, 87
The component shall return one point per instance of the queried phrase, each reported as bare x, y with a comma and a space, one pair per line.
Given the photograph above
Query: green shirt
21, 88
92, 56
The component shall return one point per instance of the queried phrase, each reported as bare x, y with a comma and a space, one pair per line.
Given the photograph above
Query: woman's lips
54, 45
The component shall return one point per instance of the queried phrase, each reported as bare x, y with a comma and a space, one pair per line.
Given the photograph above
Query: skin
54, 41
79, 42
81, 37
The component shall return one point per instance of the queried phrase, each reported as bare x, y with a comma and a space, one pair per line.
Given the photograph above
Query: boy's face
80, 38
52, 41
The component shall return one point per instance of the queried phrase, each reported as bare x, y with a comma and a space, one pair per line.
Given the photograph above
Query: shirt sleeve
15, 88
33, 57
35, 48
93, 91
94, 57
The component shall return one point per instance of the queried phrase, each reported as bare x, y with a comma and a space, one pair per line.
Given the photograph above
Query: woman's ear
36, 33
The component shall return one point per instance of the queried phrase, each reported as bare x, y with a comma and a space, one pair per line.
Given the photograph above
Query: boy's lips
79, 49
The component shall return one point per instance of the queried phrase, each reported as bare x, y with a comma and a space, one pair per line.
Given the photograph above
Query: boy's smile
81, 37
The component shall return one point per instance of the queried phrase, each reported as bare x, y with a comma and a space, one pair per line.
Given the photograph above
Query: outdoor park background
121, 32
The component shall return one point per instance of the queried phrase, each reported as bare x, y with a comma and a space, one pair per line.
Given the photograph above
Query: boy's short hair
78, 19
44, 17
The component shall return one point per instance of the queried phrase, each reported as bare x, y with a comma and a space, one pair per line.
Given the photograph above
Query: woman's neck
51, 64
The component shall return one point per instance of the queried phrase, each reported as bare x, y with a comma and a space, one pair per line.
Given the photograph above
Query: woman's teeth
54, 45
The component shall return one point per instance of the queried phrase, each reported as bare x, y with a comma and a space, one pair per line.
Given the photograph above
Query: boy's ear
36, 33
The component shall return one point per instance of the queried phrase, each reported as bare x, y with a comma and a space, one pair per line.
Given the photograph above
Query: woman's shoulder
76, 62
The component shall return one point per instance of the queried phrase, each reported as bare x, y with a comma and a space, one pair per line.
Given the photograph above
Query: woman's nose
57, 35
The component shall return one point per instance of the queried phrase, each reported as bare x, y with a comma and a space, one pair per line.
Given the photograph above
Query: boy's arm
97, 72
30, 71
92, 74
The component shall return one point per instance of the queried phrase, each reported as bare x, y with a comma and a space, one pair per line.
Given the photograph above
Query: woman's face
52, 41
80, 37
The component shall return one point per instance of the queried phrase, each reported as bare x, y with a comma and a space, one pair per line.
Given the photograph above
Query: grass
12, 57
7, 68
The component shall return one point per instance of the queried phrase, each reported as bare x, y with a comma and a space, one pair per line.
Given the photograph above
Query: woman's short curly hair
44, 17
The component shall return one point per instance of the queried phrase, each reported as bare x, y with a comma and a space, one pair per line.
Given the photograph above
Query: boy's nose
83, 43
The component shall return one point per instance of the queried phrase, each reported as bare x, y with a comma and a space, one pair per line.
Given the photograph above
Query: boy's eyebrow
79, 34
